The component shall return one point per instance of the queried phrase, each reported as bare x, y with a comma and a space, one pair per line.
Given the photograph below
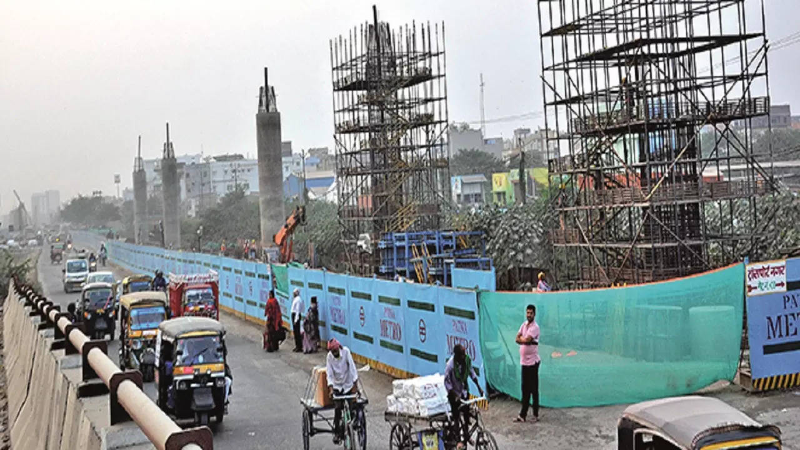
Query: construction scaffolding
390, 118
652, 102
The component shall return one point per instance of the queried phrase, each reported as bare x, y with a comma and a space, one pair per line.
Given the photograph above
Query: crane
284, 239
23, 209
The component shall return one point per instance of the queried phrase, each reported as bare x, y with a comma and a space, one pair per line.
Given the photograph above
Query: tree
234, 217
472, 162
11, 267
91, 211
322, 230
516, 237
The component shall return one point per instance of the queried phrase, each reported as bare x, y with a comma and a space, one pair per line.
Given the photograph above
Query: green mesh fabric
621, 345
281, 275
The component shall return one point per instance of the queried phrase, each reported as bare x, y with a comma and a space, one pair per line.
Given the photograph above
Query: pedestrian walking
273, 331
297, 312
528, 340
311, 328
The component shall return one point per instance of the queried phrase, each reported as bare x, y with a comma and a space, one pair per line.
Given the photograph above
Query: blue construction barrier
401, 328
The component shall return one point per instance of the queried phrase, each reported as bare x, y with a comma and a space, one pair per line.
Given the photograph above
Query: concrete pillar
270, 165
172, 201
139, 198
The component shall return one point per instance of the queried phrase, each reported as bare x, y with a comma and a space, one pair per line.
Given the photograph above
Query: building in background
38, 209
469, 190
535, 144
506, 189
152, 169
45, 207
780, 116
462, 137
229, 172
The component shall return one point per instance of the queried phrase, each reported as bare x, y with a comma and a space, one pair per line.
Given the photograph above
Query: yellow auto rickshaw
140, 314
192, 375
133, 283
692, 423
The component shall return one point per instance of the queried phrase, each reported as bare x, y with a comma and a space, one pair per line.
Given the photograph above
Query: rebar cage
390, 118
652, 103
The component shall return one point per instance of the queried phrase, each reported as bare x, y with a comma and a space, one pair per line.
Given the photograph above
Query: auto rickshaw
140, 314
133, 283
191, 371
692, 423
56, 253
95, 309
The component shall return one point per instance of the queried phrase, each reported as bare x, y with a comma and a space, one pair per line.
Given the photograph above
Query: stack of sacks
423, 396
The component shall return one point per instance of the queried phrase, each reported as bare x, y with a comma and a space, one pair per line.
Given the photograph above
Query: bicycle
354, 423
354, 419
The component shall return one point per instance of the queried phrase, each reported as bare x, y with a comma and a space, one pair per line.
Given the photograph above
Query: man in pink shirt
528, 340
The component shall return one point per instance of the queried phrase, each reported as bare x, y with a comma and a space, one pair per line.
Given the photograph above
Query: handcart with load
420, 415
319, 409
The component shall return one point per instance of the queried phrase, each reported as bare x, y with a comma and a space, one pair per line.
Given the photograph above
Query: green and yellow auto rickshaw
192, 376
140, 314
692, 423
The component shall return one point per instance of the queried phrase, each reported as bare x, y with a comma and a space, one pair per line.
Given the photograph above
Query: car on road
101, 277
95, 310
33, 243
75, 272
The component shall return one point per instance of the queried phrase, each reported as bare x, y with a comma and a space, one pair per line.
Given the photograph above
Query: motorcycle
93, 266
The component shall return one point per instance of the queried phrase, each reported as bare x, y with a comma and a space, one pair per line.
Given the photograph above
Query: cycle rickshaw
319, 408
436, 432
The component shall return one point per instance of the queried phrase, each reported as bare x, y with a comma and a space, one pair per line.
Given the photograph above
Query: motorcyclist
92, 258
159, 282
103, 254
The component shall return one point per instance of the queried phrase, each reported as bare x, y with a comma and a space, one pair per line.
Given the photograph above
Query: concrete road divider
65, 393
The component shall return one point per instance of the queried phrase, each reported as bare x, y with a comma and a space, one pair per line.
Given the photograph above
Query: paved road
265, 411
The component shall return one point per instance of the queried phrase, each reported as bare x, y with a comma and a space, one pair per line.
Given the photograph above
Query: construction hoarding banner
773, 319
481, 280
400, 328
619, 345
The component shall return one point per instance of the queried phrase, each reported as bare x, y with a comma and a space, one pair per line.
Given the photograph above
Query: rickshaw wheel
485, 441
306, 428
361, 429
400, 438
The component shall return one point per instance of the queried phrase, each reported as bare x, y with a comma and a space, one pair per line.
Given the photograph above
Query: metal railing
127, 401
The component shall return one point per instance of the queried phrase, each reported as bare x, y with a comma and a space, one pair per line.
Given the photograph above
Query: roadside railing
127, 401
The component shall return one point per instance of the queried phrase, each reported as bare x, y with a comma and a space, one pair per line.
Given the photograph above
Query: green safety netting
280, 273
621, 345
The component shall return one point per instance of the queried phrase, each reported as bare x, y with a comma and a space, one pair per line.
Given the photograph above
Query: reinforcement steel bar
124, 387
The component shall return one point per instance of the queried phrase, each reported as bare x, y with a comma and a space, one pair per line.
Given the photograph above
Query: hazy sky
79, 81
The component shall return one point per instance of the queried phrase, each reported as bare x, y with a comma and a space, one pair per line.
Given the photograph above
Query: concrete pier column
270, 165
172, 201
139, 198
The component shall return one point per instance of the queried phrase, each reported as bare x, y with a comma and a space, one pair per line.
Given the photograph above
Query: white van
75, 273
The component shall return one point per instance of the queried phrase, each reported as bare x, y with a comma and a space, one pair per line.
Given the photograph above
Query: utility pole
483, 116
305, 188
523, 179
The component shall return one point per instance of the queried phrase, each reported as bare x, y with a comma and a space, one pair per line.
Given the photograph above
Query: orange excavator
284, 239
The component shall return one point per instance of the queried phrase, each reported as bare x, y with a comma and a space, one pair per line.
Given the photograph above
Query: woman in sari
273, 331
311, 328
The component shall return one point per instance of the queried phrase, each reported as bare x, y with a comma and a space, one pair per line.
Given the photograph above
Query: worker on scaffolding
542, 285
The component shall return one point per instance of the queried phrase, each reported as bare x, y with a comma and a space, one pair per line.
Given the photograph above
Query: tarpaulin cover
620, 345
